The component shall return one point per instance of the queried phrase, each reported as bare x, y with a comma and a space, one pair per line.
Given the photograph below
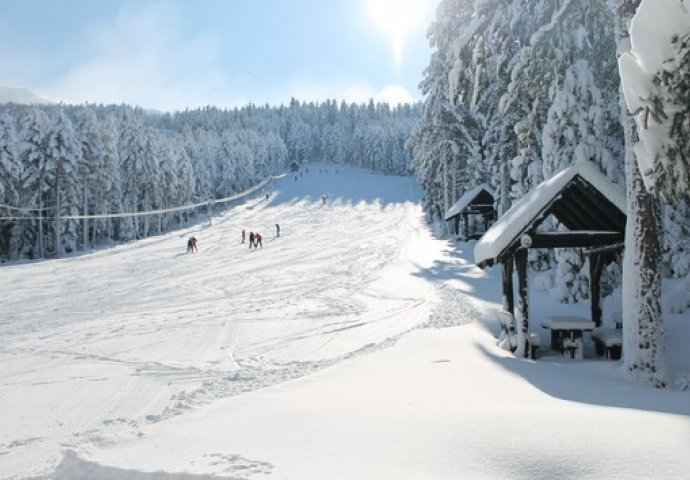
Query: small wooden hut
294, 166
478, 202
580, 198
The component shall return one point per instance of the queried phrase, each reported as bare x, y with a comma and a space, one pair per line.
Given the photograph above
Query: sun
397, 18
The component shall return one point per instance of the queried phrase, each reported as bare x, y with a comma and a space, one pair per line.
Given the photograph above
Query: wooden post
467, 225
523, 301
596, 265
507, 281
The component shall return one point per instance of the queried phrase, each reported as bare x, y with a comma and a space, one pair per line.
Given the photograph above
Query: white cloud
141, 58
394, 95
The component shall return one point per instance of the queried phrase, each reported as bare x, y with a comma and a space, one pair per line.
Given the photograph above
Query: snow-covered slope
142, 362
142, 332
21, 96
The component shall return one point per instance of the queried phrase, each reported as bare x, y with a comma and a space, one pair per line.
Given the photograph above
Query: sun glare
397, 18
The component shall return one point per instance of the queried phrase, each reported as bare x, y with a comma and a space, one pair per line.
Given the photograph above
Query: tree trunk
643, 341
523, 327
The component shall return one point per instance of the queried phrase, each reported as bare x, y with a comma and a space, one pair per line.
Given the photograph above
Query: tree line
96, 161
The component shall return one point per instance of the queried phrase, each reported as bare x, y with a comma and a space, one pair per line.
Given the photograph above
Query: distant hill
21, 95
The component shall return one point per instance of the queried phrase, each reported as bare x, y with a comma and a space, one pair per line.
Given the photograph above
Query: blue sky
173, 54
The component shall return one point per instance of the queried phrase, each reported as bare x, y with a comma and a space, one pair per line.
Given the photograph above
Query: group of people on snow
255, 240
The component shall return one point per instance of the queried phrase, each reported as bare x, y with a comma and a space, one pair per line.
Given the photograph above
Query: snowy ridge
22, 96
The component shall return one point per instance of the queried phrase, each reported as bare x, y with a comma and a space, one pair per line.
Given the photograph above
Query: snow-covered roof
532, 206
465, 200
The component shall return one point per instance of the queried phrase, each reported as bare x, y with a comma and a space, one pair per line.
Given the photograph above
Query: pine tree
89, 164
108, 183
34, 185
62, 158
10, 185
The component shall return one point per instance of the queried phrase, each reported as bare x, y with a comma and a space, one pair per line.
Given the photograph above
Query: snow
465, 200
524, 211
355, 345
608, 336
652, 52
567, 322
21, 96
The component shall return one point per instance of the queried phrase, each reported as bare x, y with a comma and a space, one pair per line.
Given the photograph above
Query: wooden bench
608, 342
566, 333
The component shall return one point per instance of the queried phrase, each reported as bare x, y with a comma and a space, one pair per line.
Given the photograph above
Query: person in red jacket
257, 240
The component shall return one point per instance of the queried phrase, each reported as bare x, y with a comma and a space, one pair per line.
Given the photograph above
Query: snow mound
74, 468
678, 300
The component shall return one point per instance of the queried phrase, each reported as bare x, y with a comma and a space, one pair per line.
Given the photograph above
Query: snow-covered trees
657, 89
529, 87
107, 162
655, 81
62, 156
10, 184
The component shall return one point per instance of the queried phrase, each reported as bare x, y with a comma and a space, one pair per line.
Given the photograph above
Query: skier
194, 249
190, 245
257, 240
243, 235
277, 230
267, 197
251, 240
323, 199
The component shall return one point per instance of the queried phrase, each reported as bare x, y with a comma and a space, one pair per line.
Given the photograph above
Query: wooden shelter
476, 202
582, 200
294, 166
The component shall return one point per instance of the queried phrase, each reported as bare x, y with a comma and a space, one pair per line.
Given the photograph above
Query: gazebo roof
467, 199
580, 197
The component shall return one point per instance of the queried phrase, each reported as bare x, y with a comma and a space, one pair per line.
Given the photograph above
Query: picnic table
566, 333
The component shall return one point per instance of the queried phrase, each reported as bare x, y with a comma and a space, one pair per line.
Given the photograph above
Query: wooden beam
601, 204
596, 264
569, 212
523, 298
507, 282
575, 239
616, 247
465, 219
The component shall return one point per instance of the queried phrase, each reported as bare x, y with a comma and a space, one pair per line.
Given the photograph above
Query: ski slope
354, 346
138, 333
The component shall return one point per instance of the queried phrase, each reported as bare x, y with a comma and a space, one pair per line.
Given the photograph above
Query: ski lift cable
249, 191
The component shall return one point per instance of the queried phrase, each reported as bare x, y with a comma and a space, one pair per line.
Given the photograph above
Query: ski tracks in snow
95, 347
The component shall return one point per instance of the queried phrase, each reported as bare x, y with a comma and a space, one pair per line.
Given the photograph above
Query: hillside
305, 358
22, 96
